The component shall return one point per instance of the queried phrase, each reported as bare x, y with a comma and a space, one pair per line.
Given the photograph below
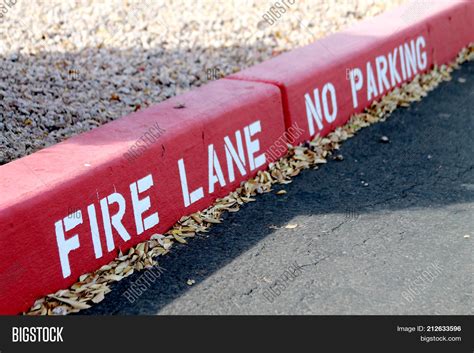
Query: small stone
114, 97
60, 310
179, 106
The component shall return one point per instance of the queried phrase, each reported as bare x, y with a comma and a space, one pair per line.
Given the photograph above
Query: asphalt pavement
387, 230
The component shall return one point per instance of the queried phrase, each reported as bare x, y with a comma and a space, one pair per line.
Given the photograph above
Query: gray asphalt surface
395, 246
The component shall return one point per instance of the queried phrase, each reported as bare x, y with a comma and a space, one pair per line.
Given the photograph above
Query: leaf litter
92, 287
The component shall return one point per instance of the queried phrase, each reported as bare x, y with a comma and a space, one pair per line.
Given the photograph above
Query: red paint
43, 188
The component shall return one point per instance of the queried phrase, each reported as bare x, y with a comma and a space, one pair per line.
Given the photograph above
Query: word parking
378, 76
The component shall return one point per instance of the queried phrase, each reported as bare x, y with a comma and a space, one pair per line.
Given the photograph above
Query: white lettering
371, 86
115, 220
143, 205
232, 156
253, 146
356, 84
65, 246
187, 197
214, 165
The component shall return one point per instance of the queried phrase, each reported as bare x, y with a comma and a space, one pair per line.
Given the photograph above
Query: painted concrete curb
326, 82
68, 209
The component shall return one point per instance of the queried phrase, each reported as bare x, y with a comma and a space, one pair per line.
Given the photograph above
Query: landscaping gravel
70, 66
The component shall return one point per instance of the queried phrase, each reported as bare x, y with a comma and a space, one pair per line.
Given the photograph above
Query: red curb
41, 192
133, 165
311, 76
283, 92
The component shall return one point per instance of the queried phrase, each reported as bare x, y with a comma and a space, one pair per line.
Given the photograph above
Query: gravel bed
70, 66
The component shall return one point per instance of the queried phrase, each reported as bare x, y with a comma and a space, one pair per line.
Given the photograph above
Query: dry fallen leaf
73, 303
98, 298
113, 277
83, 277
178, 238
197, 218
211, 220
